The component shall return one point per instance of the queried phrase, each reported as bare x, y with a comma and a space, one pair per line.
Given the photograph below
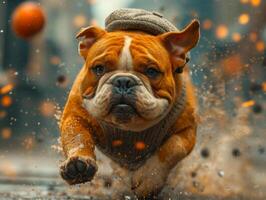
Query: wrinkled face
130, 80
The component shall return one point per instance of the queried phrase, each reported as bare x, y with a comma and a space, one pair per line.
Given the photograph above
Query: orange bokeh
47, 108
253, 36
236, 37
6, 101
264, 86
79, 21
244, 1
255, 3
260, 46
207, 24
6, 133
243, 19
221, 32
7, 88
2, 114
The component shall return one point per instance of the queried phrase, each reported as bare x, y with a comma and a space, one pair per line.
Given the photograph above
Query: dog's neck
126, 154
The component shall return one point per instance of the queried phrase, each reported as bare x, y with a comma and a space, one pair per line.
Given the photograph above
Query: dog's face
130, 79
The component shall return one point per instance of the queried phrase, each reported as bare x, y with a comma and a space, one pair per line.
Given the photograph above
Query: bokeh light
236, 37
6, 101
221, 31
48, 108
207, 24
243, 19
79, 21
255, 2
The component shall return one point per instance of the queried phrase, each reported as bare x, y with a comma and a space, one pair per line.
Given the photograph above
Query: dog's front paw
148, 180
78, 169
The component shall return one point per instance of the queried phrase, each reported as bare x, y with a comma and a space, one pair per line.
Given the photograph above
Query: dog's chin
123, 113
125, 117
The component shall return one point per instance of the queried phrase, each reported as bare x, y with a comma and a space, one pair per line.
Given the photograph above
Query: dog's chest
131, 149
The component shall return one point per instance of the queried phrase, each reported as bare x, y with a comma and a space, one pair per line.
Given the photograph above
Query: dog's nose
123, 84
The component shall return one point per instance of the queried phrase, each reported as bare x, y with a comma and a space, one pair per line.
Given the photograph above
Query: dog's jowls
125, 102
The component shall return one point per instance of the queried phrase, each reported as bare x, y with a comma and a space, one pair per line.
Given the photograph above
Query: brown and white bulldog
132, 102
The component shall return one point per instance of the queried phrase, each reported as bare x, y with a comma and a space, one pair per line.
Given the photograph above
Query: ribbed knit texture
138, 19
126, 154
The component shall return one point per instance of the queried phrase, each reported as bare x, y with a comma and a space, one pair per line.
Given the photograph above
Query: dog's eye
152, 72
98, 70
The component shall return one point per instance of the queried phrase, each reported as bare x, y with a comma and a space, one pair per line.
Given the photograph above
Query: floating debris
257, 108
205, 153
236, 152
221, 173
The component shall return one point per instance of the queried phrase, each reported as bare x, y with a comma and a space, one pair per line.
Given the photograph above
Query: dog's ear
88, 36
180, 42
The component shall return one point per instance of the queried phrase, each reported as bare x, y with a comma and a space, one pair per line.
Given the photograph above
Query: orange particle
248, 103
2, 114
244, 1
255, 3
6, 101
264, 86
6, 133
140, 145
253, 36
79, 21
116, 143
260, 46
207, 24
93, 22
28, 19
47, 108
221, 31
236, 37
7, 88
243, 19
55, 60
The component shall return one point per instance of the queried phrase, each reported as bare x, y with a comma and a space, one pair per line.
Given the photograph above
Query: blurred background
228, 68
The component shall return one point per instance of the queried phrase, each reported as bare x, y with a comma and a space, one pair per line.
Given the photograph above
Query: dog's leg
80, 165
150, 178
77, 142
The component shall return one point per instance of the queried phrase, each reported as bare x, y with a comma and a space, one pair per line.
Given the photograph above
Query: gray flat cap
138, 19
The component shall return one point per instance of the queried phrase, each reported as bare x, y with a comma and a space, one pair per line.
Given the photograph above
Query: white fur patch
125, 62
149, 106
98, 105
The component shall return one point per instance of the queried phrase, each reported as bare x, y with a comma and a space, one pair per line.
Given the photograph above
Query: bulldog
131, 101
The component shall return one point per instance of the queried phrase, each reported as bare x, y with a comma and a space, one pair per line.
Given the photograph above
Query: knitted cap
138, 19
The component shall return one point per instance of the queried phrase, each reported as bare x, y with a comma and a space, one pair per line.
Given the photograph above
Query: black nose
124, 84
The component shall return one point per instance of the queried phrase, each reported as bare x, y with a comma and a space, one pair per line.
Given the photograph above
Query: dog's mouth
123, 110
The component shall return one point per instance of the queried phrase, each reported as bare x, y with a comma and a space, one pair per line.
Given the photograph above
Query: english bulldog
131, 101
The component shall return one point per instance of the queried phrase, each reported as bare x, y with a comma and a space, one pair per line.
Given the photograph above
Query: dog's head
131, 79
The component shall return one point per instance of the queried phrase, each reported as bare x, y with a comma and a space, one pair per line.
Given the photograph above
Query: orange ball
28, 19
